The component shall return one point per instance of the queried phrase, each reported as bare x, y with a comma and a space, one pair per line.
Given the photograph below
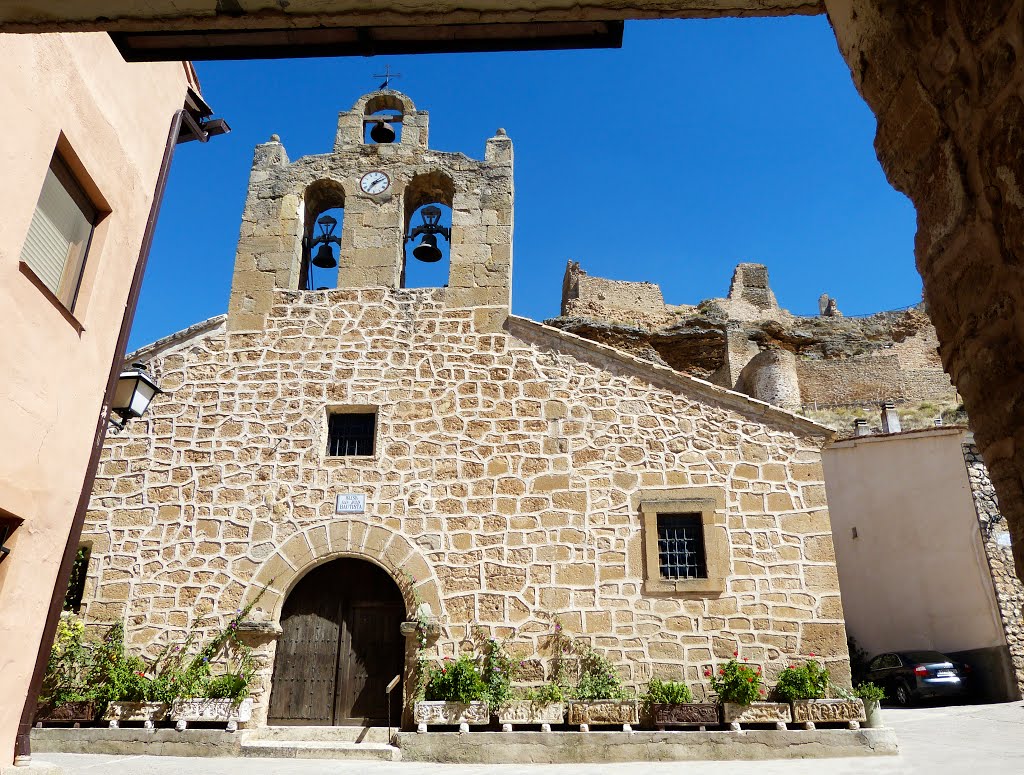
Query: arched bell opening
428, 223
324, 214
382, 122
340, 646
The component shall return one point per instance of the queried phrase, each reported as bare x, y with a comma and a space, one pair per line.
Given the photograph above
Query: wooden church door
339, 647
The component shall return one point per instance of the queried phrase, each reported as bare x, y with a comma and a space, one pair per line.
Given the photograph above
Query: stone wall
850, 380
597, 298
840, 360
750, 289
504, 488
1009, 589
771, 376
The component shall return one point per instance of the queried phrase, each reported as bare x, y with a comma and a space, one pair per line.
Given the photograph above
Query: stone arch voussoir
309, 548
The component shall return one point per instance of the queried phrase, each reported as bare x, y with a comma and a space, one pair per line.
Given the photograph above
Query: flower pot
811, 712
777, 713
146, 712
530, 712
873, 714
67, 712
438, 712
684, 714
588, 712
206, 709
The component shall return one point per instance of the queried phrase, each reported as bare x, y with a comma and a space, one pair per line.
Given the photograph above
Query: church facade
359, 458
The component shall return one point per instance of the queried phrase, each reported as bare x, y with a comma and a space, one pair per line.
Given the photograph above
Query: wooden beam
244, 43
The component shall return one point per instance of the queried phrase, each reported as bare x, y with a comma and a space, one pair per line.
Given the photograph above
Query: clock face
375, 182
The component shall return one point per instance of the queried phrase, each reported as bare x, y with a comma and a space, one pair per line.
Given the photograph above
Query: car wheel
902, 695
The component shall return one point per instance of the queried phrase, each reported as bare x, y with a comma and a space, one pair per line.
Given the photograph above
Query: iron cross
387, 75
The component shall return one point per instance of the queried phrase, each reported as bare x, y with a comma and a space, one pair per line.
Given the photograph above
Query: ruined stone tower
380, 186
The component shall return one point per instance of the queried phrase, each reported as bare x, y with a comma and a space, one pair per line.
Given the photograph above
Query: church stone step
313, 749
324, 734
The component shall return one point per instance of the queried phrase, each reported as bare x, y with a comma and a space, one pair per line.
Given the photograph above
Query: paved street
987, 739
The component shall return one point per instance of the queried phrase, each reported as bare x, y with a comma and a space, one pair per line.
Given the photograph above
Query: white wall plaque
350, 503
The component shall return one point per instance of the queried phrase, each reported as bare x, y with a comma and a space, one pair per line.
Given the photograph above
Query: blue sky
697, 145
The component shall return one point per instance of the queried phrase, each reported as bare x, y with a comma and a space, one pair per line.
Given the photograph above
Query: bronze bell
324, 258
382, 133
427, 251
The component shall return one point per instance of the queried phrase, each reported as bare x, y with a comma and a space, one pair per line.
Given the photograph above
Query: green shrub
457, 680
115, 677
104, 673
180, 674
545, 695
164, 688
69, 664
499, 671
599, 680
230, 686
736, 682
808, 682
869, 692
666, 693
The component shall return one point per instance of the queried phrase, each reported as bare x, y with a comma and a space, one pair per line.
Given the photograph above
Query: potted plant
807, 689
872, 696
454, 693
146, 710
222, 698
499, 670
670, 703
739, 690
66, 696
199, 695
225, 700
544, 705
599, 696
120, 684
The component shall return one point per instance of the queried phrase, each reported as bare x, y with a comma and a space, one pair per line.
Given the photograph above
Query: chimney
890, 420
860, 427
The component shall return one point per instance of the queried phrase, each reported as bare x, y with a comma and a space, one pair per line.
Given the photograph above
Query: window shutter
58, 227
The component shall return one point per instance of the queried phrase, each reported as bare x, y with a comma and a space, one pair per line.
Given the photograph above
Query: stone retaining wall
1009, 589
571, 748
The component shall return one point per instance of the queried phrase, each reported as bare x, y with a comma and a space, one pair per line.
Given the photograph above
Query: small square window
351, 433
681, 547
686, 542
59, 234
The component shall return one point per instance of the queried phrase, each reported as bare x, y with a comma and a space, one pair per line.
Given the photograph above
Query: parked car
910, 676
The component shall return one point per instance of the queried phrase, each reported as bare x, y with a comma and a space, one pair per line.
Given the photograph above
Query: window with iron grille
351, 434
681, 546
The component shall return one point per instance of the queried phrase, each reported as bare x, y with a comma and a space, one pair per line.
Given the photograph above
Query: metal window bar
350, 434
681, 546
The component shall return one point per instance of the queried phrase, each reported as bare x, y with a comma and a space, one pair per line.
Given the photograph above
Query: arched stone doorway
340, 646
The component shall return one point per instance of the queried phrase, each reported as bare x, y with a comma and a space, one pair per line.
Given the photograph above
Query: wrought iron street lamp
135, 391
